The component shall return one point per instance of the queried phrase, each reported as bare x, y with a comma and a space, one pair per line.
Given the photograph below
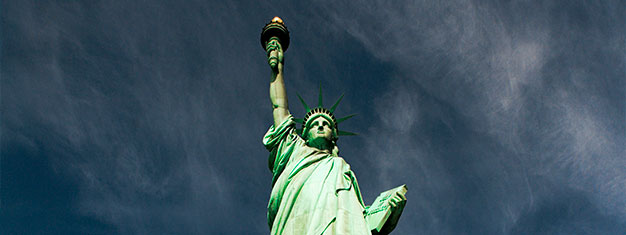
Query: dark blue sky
503, 117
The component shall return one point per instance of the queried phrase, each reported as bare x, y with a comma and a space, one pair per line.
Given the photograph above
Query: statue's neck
320, 143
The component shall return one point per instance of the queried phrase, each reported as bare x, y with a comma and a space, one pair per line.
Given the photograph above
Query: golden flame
277, 19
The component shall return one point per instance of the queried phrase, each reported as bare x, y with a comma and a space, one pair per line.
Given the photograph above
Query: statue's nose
321, 128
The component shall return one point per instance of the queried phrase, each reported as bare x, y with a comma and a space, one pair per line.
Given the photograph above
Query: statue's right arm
278, 94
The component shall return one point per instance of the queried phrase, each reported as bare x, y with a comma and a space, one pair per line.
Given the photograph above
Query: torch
275, 34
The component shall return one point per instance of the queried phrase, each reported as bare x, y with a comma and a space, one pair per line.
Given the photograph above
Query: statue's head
319, 125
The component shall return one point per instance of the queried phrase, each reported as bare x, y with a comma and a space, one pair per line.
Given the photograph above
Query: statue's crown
311, 114
319, 111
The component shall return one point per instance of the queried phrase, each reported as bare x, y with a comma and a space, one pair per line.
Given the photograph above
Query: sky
137, 117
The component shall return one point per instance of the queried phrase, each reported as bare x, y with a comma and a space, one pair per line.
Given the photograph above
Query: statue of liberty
313, 189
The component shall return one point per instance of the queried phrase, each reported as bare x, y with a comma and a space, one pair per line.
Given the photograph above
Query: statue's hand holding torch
274, 54
275, 41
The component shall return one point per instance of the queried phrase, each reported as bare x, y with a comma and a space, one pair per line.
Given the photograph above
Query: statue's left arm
397, 203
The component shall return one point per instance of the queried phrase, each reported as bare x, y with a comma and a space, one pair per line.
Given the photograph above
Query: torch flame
277, 20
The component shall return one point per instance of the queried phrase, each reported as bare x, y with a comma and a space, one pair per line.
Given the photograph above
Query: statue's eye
326, 123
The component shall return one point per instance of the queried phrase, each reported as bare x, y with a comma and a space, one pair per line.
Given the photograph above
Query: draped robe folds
313, 191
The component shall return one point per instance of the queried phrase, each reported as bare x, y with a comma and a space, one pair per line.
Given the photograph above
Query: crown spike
303, 103
319, 99
332, 109
345, 133
345, 118
320, 110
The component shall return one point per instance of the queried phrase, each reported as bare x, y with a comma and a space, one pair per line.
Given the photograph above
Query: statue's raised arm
275, 38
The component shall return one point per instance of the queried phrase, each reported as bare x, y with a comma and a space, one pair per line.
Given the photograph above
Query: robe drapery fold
313, 191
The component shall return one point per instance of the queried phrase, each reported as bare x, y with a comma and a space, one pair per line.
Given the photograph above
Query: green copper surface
314, 191
319, 99
332, 109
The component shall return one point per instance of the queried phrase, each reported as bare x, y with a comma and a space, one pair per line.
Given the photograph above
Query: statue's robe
314, 192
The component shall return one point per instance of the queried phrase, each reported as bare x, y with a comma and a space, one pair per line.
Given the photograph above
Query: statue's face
320, 128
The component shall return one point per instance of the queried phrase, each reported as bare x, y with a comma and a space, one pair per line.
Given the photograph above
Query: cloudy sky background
147, 116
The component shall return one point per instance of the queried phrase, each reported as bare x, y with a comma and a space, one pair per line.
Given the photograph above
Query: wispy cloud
138, 117
493, 66
499, 116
